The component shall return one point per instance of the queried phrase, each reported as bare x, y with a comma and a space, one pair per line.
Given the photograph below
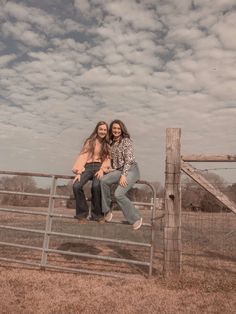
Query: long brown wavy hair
124, 131
89, 143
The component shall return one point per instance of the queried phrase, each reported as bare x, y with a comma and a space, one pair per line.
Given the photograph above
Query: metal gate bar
77, 236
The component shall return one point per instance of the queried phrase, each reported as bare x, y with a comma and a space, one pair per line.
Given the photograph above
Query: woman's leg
96, 202
130, 212
106, 181
81, 203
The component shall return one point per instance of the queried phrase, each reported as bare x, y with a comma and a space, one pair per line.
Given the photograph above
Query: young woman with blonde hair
91, 165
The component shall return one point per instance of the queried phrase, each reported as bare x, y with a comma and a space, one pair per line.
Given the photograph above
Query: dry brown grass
32, 291
207, 284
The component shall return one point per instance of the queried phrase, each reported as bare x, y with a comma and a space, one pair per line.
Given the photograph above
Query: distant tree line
22, 184
195, 198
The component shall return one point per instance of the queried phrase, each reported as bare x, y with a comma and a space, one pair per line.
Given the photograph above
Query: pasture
207, 283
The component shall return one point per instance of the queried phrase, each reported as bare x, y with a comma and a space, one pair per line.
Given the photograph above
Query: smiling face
102, 131
116, 131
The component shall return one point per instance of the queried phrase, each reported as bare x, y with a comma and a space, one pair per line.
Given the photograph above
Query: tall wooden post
172, 229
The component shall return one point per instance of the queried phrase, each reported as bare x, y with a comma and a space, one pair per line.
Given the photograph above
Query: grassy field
207, 283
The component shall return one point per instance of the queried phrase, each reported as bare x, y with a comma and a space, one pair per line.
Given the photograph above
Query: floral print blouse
122, 155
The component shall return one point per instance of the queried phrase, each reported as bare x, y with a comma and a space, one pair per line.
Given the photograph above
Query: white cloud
225, 31
83, 6
130, 12
35, 17
6, 58
22, 33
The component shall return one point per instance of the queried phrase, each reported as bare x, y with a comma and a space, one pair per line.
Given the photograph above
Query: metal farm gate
45, 226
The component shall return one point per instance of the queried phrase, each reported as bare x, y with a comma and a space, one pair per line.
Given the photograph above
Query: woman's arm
128, 154
106, 165
81, 160
79, 164
105, 168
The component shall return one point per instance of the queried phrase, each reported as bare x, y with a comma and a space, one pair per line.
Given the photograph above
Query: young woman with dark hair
91, 165
124, 171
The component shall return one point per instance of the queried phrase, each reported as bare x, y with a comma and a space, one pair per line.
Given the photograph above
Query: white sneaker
137, 224
108, 216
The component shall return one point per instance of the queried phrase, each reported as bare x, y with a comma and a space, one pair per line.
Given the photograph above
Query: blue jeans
130, 212
81, 203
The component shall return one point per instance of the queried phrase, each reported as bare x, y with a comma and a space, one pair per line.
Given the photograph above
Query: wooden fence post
172, 229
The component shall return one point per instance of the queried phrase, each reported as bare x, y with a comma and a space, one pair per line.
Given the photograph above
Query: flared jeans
130, 212
82, 210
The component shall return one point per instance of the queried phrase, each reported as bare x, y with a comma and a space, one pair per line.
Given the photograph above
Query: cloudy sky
65, 65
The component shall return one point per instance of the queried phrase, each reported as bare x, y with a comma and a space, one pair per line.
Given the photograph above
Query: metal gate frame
48, 229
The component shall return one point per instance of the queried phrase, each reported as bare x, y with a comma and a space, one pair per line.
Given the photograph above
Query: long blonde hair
89, 143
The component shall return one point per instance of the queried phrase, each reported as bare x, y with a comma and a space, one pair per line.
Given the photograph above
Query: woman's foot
81, 219
100, 220
108, 216
138, 224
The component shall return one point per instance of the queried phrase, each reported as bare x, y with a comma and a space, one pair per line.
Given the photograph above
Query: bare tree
231, 192
195, 197
17, 184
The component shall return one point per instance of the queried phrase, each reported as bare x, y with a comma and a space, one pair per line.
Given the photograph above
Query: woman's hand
77, 178
123, 181
99, 174
74, 170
